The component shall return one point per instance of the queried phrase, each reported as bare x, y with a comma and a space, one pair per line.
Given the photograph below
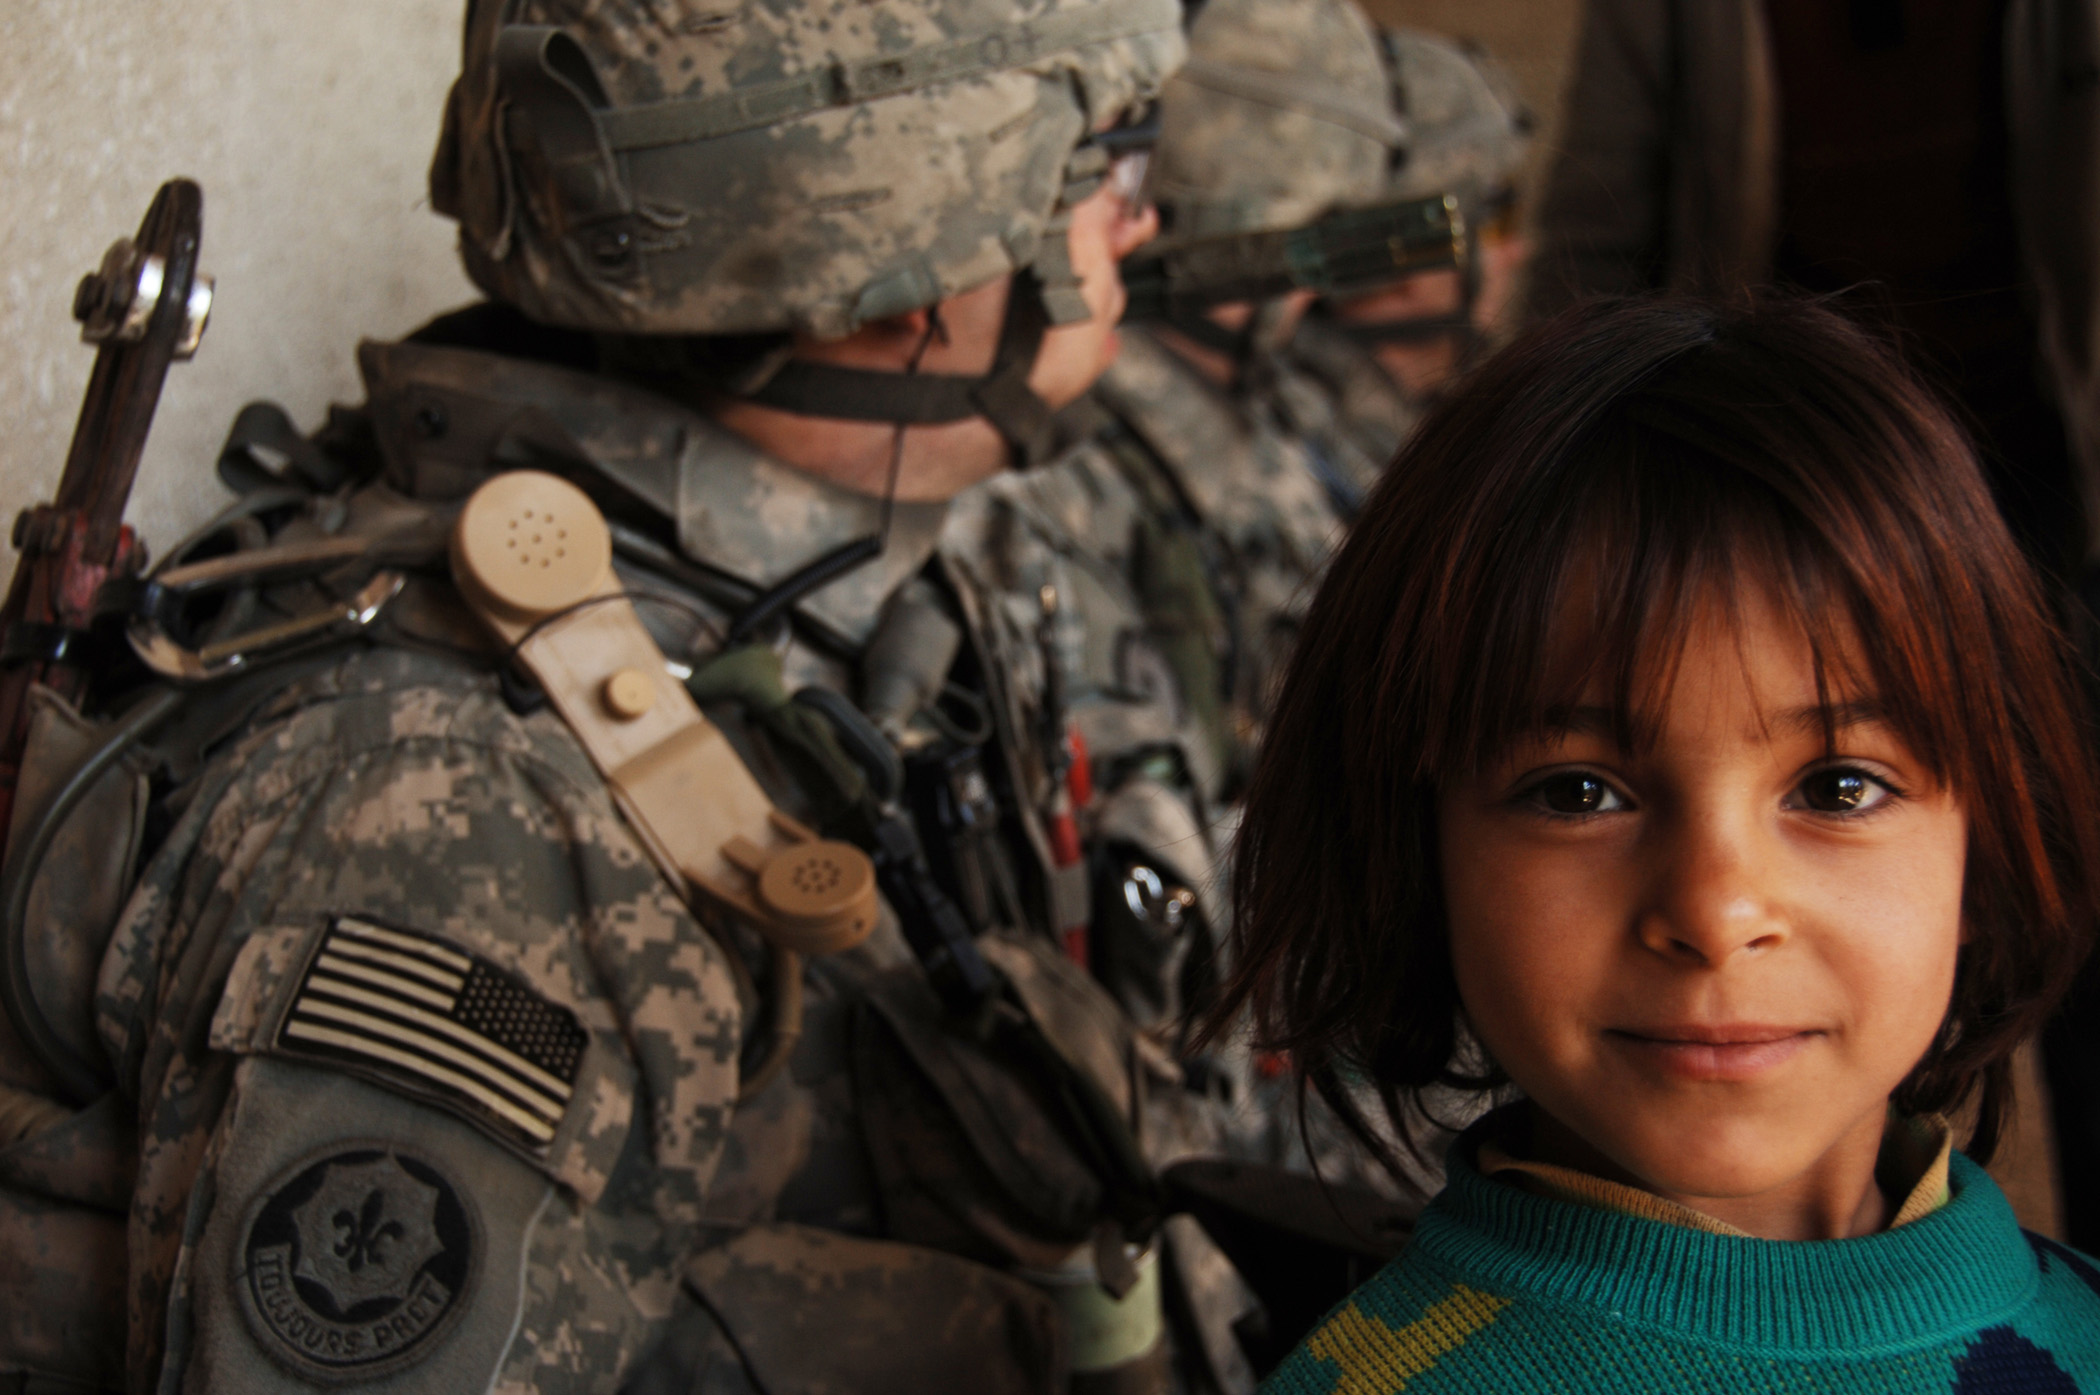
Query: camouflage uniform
1252, 498
427, 1079
1335, 394
1280, 116
1283, 115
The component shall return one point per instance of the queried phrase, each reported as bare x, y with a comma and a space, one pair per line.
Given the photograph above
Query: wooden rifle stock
145, 308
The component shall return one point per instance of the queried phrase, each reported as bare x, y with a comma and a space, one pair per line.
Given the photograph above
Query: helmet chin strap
1248, 347
1001, 396
1235, 344
1456, 325
849, 556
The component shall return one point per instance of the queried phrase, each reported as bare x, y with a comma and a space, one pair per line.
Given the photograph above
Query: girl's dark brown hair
1620, 463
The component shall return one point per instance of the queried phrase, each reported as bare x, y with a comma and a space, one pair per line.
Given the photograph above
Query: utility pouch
968, 1154
815, 1311
80, 887
63, 1192
62, 1295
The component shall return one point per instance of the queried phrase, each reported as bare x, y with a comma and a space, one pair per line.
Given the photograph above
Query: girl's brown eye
1575, 793
1841, 791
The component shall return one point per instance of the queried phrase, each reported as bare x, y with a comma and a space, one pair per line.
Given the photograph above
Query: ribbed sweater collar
1961, 1268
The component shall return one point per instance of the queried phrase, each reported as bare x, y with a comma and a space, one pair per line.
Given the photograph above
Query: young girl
1679, 740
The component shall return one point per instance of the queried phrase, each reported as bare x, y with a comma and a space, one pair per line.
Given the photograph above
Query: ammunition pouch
970, 1156
78, 891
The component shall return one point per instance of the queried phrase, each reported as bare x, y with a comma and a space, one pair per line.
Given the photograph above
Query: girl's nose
1713, 897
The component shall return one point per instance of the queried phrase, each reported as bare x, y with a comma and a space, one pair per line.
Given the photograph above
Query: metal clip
159, 651
253, 566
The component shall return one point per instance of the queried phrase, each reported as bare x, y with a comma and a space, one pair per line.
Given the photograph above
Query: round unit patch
357, 1263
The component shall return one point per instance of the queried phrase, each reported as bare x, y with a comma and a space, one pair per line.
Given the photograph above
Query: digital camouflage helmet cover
1468, 132
715, 167
1281, 113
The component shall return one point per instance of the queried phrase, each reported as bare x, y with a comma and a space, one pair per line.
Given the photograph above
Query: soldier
1381, 356
1280, 116
430, 1061
1279, 134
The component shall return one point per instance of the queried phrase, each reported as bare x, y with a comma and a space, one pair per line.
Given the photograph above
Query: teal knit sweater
1505, 1291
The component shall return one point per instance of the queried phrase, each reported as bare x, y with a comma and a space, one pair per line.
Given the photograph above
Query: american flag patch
412, 1008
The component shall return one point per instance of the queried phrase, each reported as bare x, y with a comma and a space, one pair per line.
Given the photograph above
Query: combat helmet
716, 167
1468, 136
1276, 147
1469, 133
1280, 114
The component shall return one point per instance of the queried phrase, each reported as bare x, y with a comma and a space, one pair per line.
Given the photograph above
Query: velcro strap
1064, 301
1294, 93
843, 84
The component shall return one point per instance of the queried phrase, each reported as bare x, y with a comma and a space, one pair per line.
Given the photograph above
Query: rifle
145, 308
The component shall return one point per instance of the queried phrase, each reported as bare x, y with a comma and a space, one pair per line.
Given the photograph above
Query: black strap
866, 394
814, 576
306, 466
1235, 344
31, 641
1001, 396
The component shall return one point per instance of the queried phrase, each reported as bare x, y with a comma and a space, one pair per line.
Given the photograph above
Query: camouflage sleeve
432, 1068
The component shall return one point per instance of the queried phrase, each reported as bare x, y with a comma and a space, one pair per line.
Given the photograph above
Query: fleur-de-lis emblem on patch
362, 1234
366, 1231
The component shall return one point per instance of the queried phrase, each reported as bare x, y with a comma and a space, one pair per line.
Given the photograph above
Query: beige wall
309, 124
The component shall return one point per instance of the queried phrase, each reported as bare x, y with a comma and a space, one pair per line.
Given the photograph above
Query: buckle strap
843, 84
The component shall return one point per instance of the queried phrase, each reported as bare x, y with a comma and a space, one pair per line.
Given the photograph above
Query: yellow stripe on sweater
1377, 1360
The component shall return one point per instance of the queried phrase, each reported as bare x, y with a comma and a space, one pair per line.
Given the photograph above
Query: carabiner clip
159, 651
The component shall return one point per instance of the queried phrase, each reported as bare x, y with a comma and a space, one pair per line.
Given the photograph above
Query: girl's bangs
1646, 530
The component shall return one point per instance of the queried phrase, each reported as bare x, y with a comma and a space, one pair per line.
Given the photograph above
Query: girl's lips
1715, 1053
